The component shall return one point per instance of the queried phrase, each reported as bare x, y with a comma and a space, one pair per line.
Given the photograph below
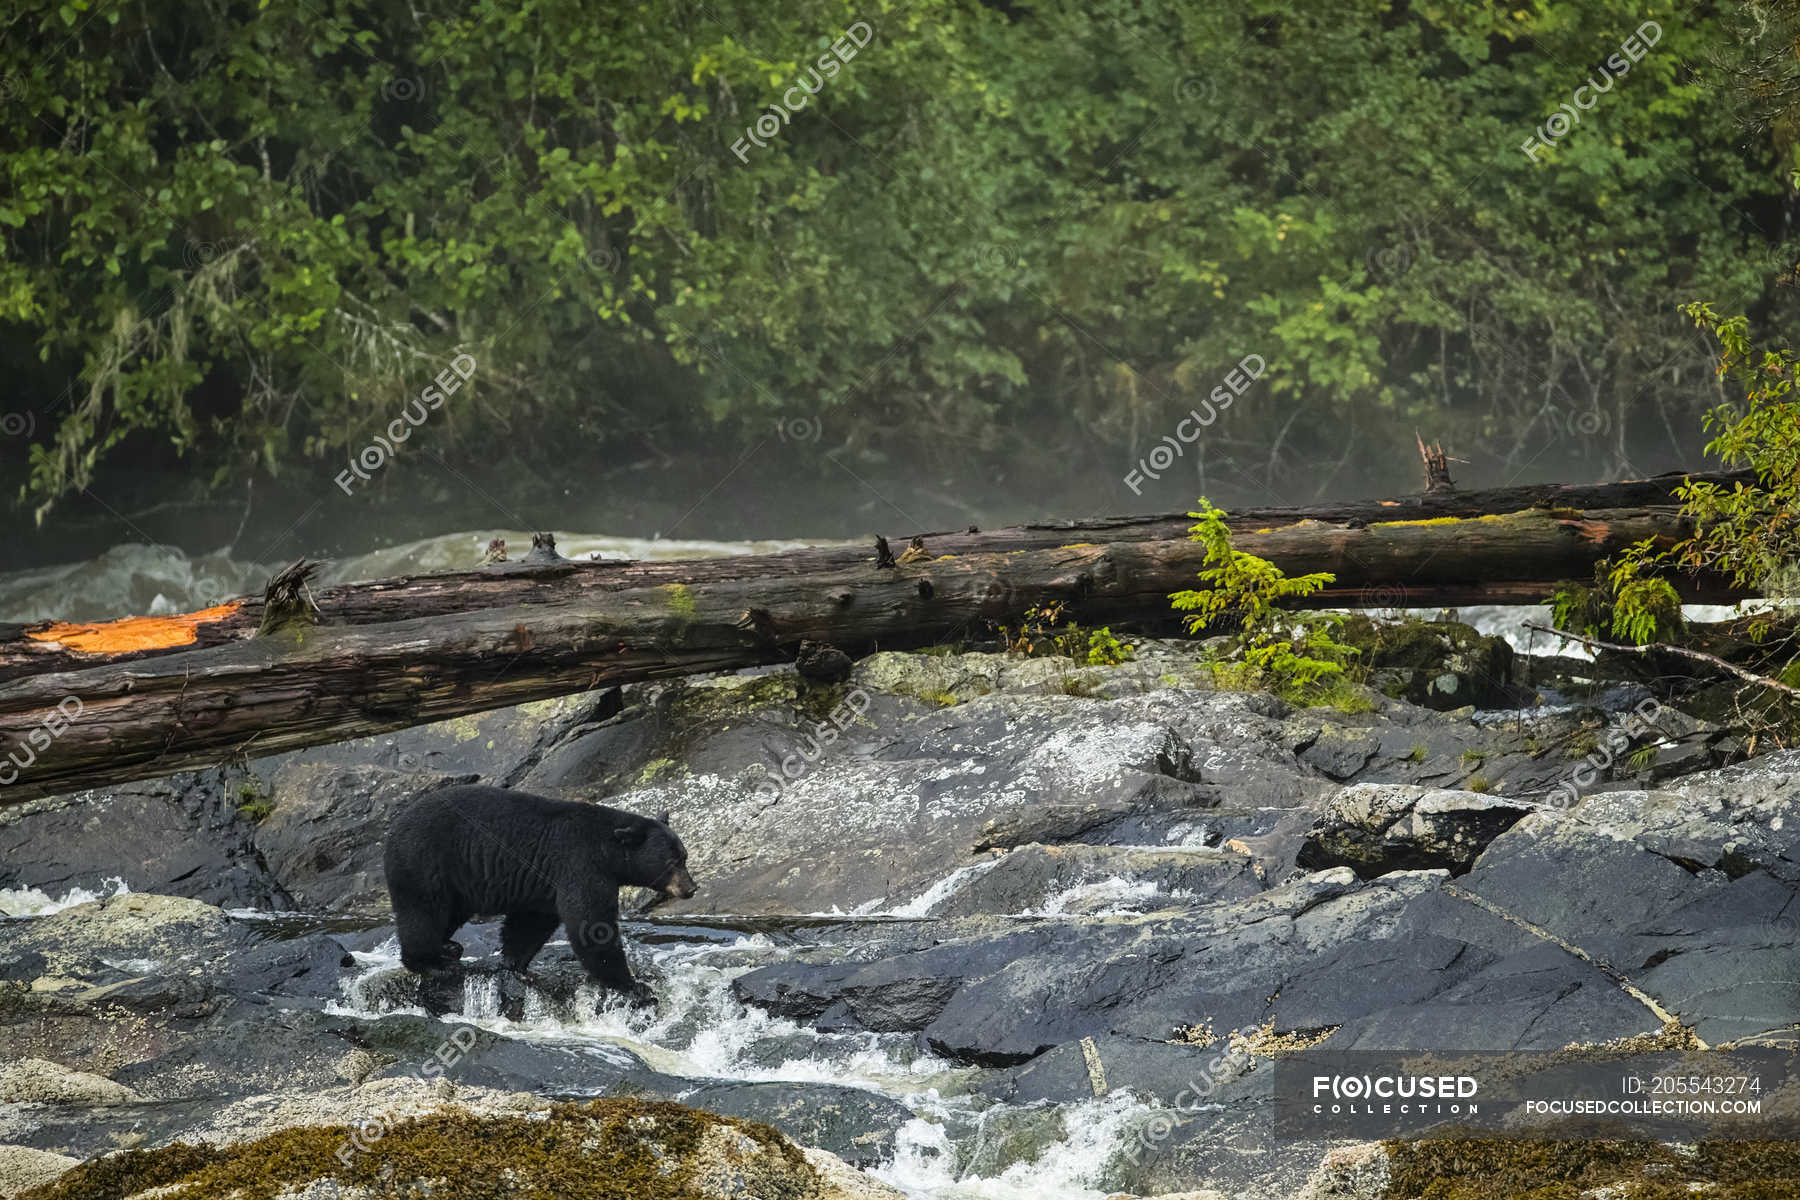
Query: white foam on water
698, 1028
31, 902
942, 890
1072, 1167
481, 997
1109, 897
137, 966
387, 954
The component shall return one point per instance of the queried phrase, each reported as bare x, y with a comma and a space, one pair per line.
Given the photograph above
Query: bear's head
654, 856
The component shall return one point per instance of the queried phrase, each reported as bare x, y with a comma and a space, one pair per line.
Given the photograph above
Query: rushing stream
959, 1145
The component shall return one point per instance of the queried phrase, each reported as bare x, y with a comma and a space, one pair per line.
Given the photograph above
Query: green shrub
1296, 655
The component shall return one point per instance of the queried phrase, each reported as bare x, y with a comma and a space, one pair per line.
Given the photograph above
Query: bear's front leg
592, 921
522, 935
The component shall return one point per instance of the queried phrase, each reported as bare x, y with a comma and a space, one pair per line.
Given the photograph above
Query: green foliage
1644, 610
1106, 650
1580, 608
253, 804
1623, 604
248, 233
1299, 656
1747, 532
1042, 630
1240, 587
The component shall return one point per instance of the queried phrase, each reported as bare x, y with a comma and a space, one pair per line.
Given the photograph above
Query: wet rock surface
960, 915
856, 1125
180, 836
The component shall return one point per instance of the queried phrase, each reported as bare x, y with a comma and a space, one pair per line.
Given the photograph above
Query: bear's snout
679, 884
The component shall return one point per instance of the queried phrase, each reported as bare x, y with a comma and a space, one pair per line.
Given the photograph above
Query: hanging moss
601, 1150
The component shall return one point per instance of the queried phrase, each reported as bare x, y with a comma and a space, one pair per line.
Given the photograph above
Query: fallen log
569, 627
543, 577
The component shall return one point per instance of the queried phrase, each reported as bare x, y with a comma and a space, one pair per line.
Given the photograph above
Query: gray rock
1687, 894
324, 835
1225, 1146
1376, 828
468, 1056
1443, 665
856, 1125
147, 951
1735, 819
179, 836
1079, 878
1170, 1074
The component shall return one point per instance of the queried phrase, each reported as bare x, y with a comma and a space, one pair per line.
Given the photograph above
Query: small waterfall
923, 904
31, 902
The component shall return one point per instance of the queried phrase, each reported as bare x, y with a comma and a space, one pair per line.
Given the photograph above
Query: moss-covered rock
602, 1150
1517, 1169
1435, 664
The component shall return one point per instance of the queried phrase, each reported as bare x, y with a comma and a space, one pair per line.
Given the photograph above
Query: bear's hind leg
522, 935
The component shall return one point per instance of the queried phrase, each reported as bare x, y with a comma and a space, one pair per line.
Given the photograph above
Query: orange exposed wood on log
132, 633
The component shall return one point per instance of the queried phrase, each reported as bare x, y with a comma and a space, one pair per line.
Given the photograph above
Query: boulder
1443, 665
35, 1081
1687, 893
1374, 828
858, 1126
1322, 953
1079, 879
179, 836
498, 1142
1171, 1074
324, 832
22, 1168
147, 948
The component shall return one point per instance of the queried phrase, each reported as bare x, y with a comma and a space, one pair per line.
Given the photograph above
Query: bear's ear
665, 816
629, 835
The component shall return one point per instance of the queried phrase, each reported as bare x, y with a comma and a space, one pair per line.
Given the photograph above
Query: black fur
463, 852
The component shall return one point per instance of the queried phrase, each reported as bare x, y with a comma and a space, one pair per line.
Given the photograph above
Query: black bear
469, 851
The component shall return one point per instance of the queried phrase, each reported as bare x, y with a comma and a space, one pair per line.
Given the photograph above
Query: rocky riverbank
968, 926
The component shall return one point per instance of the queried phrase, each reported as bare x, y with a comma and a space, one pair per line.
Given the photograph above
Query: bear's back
495, 844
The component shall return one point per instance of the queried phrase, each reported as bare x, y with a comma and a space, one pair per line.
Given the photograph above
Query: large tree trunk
1362, 580
440, 646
